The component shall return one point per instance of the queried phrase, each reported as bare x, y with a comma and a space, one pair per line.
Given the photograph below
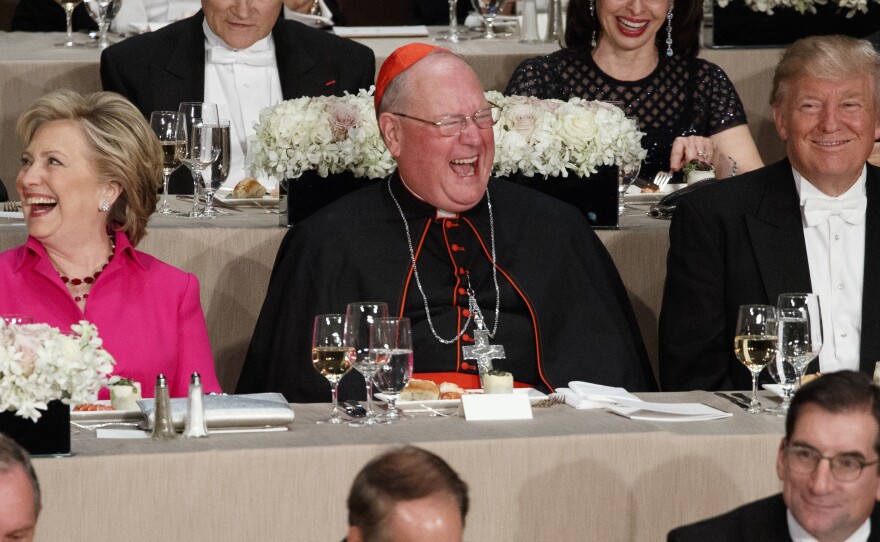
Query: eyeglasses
452, 125
844, 467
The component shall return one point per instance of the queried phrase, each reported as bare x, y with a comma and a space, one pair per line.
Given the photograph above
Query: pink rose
27, 342
523, 119
343, 117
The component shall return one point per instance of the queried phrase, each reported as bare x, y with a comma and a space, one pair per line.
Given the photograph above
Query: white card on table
496, 406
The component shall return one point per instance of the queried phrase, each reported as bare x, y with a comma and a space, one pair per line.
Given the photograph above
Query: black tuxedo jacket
158, 70
759, 521
741, 242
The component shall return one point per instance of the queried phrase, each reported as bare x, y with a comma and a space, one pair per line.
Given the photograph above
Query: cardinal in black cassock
562, 311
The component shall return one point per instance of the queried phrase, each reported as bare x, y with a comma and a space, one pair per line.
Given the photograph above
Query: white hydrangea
802, 6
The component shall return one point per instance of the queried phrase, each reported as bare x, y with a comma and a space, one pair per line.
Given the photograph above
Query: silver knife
734, 400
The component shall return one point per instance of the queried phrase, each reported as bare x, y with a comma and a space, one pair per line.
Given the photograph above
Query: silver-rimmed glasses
452, 125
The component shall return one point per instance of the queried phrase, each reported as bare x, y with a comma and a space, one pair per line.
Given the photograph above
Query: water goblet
331, 356
792, 332
69, 6
358, 319
755, 343
488, 10
103, 12
452, 35
391, 338
169, 128
191, 111
218, 170
811, 310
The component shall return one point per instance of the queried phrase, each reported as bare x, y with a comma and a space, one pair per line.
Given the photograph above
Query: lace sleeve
724, 108
533, 77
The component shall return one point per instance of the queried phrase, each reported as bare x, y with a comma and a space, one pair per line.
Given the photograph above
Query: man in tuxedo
19, 492
407, 494
241, 56
804, 224
828, 465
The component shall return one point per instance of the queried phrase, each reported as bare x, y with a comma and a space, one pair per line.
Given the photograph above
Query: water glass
391, 339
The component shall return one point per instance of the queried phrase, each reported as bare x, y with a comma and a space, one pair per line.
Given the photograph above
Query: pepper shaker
196, 425
163, 427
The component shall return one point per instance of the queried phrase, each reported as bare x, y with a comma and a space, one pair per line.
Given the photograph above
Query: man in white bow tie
239, 54
809, 223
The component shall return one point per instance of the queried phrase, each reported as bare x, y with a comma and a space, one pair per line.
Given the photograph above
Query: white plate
534, 397
106, 415
223, 194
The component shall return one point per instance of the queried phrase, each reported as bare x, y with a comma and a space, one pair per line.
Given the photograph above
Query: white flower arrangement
331, 134
803, 6
327, 134
555, 137
39, 363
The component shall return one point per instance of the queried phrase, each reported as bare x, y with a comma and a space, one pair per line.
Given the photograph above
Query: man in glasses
476, 264
828, 464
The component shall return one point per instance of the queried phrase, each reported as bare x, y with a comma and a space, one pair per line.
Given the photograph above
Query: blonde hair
124, 149
826, 57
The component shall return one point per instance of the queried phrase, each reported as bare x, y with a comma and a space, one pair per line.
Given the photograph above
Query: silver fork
662, 178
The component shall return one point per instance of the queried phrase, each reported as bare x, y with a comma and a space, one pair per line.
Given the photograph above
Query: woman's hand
685, 149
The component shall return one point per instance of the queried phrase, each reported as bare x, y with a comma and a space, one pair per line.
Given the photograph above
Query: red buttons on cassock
462, 271
450, 224
462, 291
465, 366
456, 248
466, 337
465, 313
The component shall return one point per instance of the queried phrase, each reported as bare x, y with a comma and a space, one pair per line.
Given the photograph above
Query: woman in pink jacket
88, 182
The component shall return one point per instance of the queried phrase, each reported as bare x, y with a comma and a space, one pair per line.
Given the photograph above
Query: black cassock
564, 312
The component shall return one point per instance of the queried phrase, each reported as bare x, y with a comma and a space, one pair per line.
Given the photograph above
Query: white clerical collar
806, 189
440, 212
213, 40
799, 534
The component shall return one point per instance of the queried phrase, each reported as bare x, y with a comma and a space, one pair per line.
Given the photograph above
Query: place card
496, 406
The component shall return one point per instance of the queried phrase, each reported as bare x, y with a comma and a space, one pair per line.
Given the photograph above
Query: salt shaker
529, 31
163, 427
196, 425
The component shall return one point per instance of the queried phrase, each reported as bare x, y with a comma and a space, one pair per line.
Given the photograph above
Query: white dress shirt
799, 534
241, 91
836, 255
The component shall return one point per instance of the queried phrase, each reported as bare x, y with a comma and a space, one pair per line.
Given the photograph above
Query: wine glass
626, 176
358, 319
488, 10
391, 338
331, 356
452, 34
219, 168
169, 128
755, 343
103, 12
191, 111
792, 346
811, 309
69, 6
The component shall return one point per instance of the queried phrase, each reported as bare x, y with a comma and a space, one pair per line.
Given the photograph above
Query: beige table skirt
566, 475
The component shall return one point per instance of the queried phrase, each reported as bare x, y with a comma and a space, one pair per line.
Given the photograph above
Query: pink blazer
147, 312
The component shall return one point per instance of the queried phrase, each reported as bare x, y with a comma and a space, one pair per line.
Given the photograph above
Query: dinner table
565, 474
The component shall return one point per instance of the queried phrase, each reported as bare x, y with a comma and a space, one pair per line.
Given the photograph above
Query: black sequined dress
682, 96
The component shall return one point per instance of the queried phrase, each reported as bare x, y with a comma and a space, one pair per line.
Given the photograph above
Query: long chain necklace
474, 309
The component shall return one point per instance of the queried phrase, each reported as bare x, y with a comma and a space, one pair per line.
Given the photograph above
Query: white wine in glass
69, 6
331, 356
755, 343
169, 128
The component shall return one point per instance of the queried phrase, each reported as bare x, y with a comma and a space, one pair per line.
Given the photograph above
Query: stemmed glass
331, 356
793, 343
810, 309
488, 10
755, 343
391, 338
103, 12
626, 176
452, 34
169, 128
69, 6
219, 169
358, 319
191, 111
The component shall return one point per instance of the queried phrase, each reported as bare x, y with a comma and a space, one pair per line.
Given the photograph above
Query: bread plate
438, 404
635, 194
222, 195
106, 415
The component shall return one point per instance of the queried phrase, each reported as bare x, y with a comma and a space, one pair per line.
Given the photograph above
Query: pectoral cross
481, 350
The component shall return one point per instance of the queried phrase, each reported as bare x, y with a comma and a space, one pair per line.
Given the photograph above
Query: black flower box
309, 192
49, 435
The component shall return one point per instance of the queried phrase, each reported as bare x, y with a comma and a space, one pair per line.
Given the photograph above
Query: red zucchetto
401, 59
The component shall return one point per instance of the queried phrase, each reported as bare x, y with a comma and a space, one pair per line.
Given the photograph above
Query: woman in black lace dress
630, 51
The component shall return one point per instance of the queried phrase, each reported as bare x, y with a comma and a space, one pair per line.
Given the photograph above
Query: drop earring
593, 16
669, 31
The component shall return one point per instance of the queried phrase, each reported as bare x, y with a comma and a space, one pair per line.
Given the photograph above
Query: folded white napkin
583, 395
229, 411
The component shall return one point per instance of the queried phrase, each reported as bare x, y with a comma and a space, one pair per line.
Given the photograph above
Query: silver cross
483, 352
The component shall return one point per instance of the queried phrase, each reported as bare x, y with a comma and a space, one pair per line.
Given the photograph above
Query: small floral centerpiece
555, 137
40, 363
803, 6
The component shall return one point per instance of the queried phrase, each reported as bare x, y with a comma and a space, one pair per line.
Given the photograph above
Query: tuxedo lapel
870, 347
777, 237
182, 77
298, 67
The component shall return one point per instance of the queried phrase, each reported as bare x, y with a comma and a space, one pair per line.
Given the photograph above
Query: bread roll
420, 390
249, 188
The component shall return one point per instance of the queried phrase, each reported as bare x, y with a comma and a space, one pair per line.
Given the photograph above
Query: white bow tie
222, 55
851, 210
